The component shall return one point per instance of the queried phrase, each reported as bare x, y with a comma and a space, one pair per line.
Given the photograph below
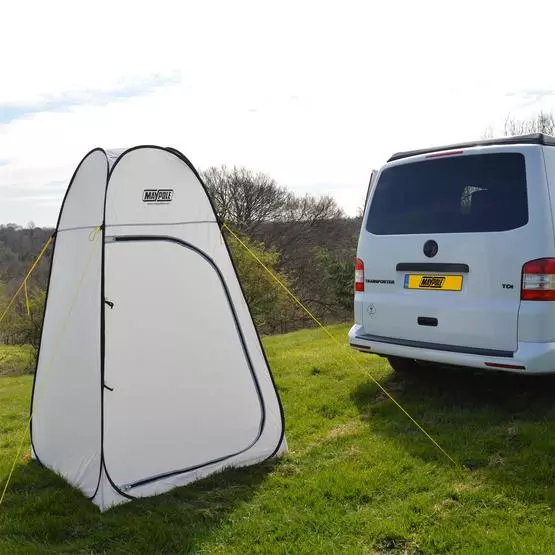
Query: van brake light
538, 280
359, 275
445, 153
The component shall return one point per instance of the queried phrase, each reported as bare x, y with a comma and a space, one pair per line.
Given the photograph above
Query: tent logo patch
157, 196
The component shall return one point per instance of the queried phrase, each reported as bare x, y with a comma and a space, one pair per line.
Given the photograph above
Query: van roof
532, 139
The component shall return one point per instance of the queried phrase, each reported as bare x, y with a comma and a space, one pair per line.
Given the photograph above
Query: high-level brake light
444, 153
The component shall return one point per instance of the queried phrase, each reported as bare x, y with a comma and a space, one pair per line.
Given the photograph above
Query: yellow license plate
433, 282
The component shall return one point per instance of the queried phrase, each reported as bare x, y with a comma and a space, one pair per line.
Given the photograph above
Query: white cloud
314, 93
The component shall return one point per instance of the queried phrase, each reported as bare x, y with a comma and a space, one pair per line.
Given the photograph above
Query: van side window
459, 194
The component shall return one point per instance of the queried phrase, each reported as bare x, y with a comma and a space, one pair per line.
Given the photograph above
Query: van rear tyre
403, 365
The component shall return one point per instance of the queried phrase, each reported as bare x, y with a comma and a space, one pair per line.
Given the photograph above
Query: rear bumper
529, 358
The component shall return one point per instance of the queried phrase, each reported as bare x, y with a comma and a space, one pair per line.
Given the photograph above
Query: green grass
16, 360
359, 478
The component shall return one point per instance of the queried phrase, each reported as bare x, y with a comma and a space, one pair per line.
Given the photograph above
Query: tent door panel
182, 393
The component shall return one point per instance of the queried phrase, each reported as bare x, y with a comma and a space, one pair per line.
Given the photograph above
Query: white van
456, 257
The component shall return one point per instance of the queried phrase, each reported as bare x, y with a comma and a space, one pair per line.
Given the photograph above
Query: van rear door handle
427, 321
446, 267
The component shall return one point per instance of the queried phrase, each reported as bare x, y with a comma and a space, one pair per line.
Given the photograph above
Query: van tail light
359, 275
538, 280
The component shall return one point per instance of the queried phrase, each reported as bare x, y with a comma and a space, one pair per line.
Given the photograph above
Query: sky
314, 93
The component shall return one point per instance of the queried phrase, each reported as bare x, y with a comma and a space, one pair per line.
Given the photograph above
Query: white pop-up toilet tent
150, 373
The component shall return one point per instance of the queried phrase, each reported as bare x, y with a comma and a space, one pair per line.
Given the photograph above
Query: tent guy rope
27, 305
24, 282
329, 334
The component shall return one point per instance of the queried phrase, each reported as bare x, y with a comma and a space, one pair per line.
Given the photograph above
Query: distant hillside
18, 249
318, 258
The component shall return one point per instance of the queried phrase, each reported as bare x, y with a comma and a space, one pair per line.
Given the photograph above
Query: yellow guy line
27, 299
24, 282
351, 354
92, 237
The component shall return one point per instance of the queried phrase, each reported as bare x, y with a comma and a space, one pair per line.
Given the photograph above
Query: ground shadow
497, 422
42, 513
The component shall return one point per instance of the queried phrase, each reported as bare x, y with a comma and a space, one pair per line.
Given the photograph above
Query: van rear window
459, 194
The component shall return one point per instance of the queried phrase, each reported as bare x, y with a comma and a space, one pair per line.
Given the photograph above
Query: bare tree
310, 209
293, 225
542, 122
246, 198
488, 133
250, 200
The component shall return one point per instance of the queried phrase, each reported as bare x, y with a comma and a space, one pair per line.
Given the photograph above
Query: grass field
359, 478
15, 360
